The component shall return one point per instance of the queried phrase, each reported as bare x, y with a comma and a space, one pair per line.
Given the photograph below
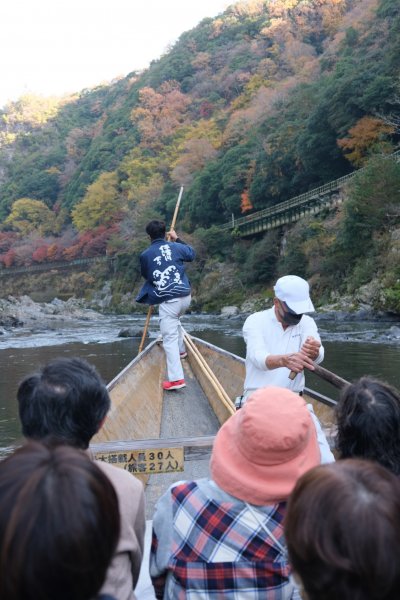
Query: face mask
289, 317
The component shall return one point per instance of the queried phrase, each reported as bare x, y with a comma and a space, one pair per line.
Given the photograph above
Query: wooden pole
150, 310
207, 371
332, 378
205, 367
146, 326
178, 203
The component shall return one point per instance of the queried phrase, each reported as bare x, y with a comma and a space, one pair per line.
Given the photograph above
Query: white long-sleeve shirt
264, 335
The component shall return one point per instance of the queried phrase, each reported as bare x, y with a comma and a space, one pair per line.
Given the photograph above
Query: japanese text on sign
150, 461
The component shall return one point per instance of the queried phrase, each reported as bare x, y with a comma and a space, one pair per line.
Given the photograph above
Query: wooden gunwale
136, 399
130, 365
228, 368
140, 424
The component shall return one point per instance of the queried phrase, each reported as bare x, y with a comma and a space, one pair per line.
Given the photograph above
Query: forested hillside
264, 102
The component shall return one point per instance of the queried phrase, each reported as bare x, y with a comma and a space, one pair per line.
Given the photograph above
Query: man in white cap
282, 340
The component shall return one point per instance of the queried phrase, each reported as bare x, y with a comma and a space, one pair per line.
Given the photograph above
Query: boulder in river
9, 321
134, 332
23, 311
394, 332
229, 311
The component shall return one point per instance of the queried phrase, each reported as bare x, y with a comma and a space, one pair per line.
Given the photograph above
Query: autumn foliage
160, 113
364, 137
245, 204
90, 243
249, 109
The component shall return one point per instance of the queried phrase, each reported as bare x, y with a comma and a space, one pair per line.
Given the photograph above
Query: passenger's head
59, 524
368, 421
342, 531
292, 299
66, 400
261, 451
156, 229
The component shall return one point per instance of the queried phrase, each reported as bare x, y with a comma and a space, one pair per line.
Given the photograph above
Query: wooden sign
150, 461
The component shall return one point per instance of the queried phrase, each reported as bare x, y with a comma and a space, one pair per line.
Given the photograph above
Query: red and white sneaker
174, 385
183, 354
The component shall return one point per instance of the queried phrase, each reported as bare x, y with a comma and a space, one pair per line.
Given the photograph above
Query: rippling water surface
352, 349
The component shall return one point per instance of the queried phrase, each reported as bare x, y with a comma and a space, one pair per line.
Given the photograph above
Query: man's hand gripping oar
305, 360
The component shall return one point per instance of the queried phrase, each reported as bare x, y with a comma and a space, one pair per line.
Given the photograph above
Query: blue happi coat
161, 264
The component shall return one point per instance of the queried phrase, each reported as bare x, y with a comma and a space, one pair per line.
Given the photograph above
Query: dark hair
66, 400
342, 531
59, 524
368, 421
155, 229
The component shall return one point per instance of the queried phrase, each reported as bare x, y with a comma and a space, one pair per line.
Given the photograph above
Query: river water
352, 349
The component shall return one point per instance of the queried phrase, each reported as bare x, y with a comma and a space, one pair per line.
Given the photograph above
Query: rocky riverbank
24, 312
16, 312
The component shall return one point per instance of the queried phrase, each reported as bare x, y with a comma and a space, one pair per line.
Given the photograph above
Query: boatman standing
282, 340
162, 265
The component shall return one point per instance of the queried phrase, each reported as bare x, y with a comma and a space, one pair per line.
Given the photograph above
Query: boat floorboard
186, 413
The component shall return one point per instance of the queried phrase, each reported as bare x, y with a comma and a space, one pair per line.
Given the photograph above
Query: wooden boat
162, 437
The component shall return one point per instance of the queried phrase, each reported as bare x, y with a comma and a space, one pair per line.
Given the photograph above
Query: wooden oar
334, 379
150, 310
207, 371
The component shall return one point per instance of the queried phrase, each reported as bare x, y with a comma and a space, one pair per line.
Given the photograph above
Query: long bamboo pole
178, 203
207, 371
150, 310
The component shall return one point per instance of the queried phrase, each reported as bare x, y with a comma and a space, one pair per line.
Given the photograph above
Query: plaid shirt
217, 548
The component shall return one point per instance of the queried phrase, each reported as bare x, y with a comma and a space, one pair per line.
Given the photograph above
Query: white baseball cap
295, 291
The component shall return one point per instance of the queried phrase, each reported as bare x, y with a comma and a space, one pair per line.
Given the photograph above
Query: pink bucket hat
261, 451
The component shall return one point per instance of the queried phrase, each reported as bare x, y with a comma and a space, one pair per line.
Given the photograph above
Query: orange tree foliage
90, 243
8, 258
53, 252
47, 253
245, 204
160, 113
364, 137
196, 153
40, 254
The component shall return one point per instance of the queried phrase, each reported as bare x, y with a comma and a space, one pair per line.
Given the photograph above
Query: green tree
374, 198
372, 206
31, 215
203, 201
261, 259
101, 204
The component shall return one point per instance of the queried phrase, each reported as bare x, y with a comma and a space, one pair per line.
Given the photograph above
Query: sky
55, 47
